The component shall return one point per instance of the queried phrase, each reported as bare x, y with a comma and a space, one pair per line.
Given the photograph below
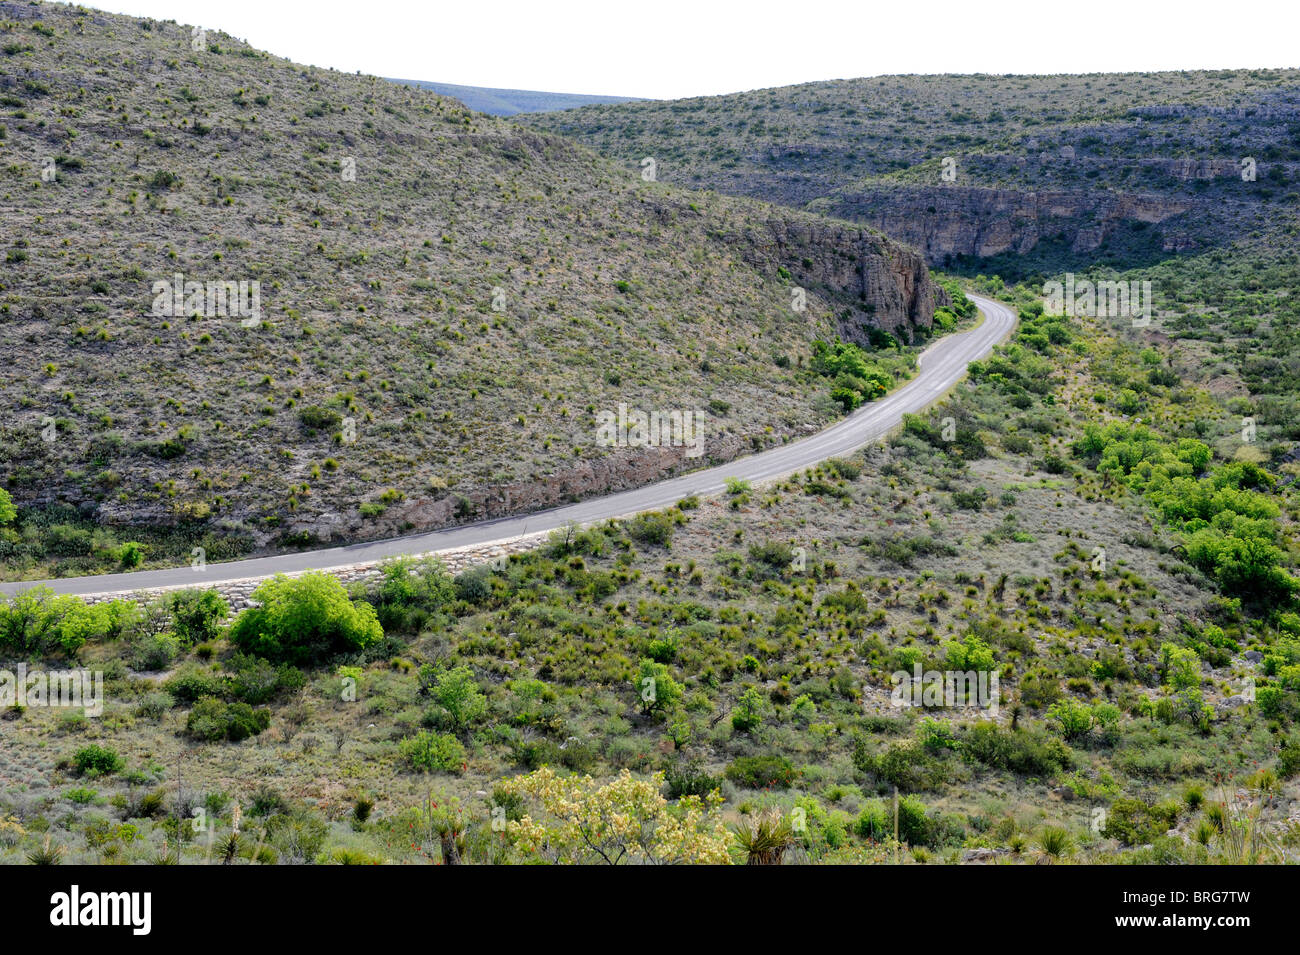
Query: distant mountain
497, 102
1059, 170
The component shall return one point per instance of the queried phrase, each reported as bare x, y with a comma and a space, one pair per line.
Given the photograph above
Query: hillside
445, 302
503, 102
1079, 169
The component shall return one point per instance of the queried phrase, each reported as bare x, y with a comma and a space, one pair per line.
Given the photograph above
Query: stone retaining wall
237, 593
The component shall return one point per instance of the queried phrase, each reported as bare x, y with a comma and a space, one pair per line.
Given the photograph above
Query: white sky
674, 48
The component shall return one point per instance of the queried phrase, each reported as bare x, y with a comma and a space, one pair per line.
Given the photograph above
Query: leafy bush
1025, 752
191, 682
688, 778
1134, 822
304, 620
255, 680
456, 694
658, 691
748, 712
433, 752
212, 719
654, 527
197, 614
94, 760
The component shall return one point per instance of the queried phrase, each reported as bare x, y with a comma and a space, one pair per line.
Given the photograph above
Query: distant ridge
498, 102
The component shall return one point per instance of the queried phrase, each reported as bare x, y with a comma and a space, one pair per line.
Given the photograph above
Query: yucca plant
166, 855
763, 838
1054, 844
46, 854
1243, 839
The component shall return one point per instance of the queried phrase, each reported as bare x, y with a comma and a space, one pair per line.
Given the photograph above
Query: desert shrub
1134, 822
654, 527
411, 591
191, 682
154, 651
197, 615
94, 760
433, 752
875, 822
1025, 752
761, 772
38, 623
319, 419
154, 704
748, 712
304, 620
688, 778
212, 719
658, 691
906, 765
255, 680
1288, 759
774, 554
474, 585
456, 695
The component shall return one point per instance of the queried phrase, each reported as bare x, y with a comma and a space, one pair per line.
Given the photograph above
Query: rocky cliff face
877, 282
944, 222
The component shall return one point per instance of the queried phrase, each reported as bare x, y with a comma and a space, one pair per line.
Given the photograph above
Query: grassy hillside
446, 302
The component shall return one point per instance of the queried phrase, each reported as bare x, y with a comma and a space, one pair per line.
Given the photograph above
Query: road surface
941, 366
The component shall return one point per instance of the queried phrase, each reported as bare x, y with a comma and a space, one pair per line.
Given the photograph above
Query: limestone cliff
944, 222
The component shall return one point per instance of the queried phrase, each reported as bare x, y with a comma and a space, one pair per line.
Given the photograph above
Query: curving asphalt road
942, 365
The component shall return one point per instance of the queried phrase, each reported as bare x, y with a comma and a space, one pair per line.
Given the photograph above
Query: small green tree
457, 694
748, 713
658, 691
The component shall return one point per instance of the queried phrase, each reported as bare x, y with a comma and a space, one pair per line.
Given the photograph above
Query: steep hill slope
430, 309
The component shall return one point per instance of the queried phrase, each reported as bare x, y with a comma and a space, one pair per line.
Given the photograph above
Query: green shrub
748, 712
304, 620
191, 682
688, 778
433, 752
1134, 822
212, 719
456, 694
197, 614
319, 419
94, 760
1025, 752
658, 691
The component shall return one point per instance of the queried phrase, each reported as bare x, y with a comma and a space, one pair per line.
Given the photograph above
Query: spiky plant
1054, 843
46, 854
229, 849
1243, 838
763, 838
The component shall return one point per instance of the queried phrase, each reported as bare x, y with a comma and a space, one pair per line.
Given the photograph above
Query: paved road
941, 366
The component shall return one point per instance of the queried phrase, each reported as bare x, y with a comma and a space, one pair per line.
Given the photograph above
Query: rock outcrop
944, 222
